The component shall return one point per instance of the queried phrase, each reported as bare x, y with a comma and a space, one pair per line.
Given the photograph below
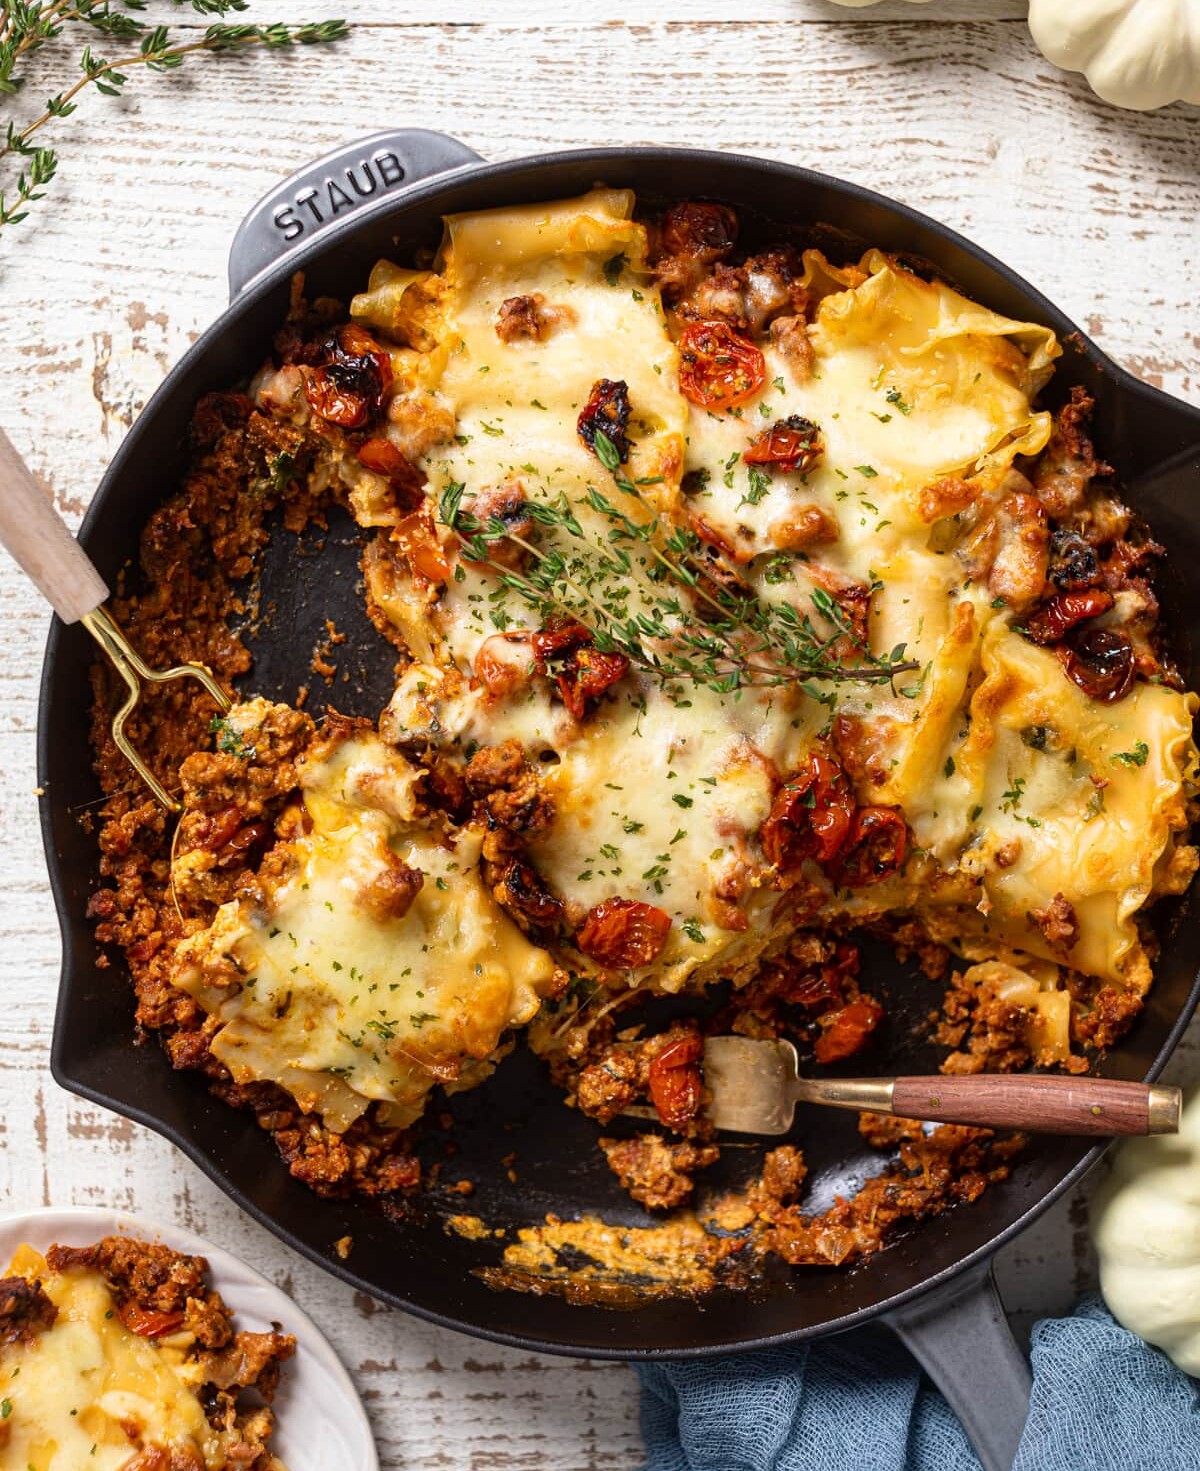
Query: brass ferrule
873, 1094
1162, 1109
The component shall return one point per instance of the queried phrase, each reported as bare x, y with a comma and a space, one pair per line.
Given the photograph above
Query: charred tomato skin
352, 380
793, 443
875, 848
607, 410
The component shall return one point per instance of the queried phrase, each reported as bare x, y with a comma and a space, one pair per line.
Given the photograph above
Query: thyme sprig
27, 25
651, 590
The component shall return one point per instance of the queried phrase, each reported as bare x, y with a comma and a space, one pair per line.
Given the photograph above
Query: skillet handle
350, 179
959, 1335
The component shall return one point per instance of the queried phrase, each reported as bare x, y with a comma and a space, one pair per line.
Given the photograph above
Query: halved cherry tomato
407, 481
876, 846
147, 1323
675, 1083
353, 380
810, 816
851, 1027
589, 673
416, 536
607, 410
720, 368
699, 228
793, 443
623, 934
1101, 662
1055, 619
557, 638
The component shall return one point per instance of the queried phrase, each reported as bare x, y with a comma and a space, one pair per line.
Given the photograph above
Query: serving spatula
756, 1085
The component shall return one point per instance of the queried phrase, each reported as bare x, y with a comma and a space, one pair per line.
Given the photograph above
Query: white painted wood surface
101, 291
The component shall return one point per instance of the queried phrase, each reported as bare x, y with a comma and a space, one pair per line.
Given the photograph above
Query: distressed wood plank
104, 291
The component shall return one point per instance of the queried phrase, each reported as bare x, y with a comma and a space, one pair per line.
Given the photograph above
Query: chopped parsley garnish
613, 267
868, 470
893, 397
760, 485
229, 740
1137, 757
680, 800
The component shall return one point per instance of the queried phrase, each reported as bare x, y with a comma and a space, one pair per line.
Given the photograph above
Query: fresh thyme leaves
28, 25
652, 591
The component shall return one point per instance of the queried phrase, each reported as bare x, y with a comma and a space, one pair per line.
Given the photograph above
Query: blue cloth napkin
1103, 1400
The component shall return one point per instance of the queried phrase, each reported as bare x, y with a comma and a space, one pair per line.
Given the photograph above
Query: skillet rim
327, 239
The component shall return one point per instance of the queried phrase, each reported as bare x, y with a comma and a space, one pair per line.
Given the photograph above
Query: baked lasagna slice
121, 1357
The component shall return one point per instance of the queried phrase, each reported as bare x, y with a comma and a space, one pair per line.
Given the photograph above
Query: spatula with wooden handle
755, 1087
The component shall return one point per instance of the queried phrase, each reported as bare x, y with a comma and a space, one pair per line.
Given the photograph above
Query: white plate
322, 1424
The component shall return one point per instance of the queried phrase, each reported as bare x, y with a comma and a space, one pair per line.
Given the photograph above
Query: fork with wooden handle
756, 1085
40, 542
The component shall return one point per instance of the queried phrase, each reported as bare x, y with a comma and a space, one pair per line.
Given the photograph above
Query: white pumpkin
1146, 1228
1135, 53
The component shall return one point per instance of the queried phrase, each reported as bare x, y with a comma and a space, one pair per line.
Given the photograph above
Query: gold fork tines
133, 669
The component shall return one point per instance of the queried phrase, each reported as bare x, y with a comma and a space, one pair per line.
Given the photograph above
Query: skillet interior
415, 1264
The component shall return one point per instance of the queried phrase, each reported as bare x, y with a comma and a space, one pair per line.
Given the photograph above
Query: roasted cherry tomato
623, 934
1073, 563
877, 845
526, 891
810, 816
1101, 662
720, 368
349, 386
793, 443
147, 1323
607, 410
675, 1083
699, 228
558, 638
849, 1030
416, 536
1050, 623
588, 674
406, 480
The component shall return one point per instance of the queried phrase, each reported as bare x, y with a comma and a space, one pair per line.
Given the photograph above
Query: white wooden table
954, 112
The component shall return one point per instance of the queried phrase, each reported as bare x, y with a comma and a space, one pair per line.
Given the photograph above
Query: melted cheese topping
87, 1392
660, 792
341, 1003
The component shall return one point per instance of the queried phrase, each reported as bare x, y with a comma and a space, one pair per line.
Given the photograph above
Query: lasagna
743, 601
120, 1356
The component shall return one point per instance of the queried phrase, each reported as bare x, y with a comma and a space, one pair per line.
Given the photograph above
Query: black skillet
384, 197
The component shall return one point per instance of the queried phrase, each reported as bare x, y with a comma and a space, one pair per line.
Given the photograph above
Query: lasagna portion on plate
120, 1356
743, 602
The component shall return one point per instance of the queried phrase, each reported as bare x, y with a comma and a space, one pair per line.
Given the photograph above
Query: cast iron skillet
384, 197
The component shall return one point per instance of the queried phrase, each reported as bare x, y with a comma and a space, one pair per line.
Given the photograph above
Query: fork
41, 543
